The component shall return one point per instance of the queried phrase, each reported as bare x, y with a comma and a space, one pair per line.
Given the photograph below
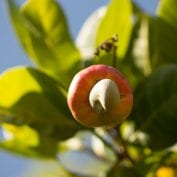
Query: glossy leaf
29, 96
42, 29
118, 20
155, 107
163, 30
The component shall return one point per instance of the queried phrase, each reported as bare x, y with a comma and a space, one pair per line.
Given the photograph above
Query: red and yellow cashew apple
100, 96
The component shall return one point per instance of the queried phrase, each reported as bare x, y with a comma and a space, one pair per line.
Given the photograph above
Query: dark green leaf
42, 29
119, 171
31, 97
167, 11
163, 34
155, 107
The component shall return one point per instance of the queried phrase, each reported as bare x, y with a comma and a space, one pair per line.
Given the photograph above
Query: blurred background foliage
34, 117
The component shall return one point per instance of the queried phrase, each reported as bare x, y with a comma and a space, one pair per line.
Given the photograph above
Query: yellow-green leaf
28, 96
118, 20
42, 29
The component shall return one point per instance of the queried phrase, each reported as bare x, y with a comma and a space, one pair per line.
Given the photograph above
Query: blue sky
11, 54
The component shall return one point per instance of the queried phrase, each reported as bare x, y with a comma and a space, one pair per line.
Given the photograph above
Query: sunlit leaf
15, 139
135, 60
26, 141
167, 11
42, 29
155, 107
141, 47
136, 63
118, 20
20, 134
29, 96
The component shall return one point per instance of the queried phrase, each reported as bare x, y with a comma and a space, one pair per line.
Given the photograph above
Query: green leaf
42, 29
29, 96
119, 171
163, 34
118, 20
26, 141
136, 63
14, 139
167, 11
155, 107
